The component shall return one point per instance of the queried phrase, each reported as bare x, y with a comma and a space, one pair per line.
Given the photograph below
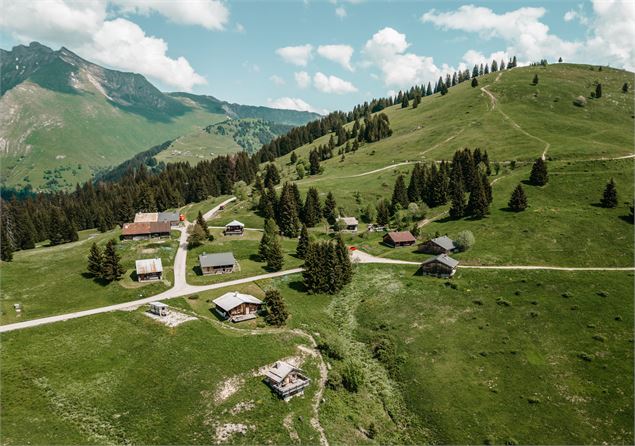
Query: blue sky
318, 55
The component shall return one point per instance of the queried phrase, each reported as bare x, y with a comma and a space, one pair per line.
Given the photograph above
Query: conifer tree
559, 59
111, 265
275, 311
314, 275
202, 223
6, 249
609, 197
404, 101
487, 188
539, 175
275, 258
95, 261
288, 220
312, 212
474, 82
416, 101
477, 205
303, 242
414, 186
272, 176
625, 87
314, 162
429, 90
475, 71
270, 231
294, 157
383, 212
344, 260
535, 81
457, 210
598, 91
330, 209
399, 194
518, 200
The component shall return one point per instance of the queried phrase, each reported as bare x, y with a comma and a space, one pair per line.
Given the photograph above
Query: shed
439, 245
171, 217
141, 231
218, 263
350, 223
159, 308
149, 269
234, 228
237, 306
286, 379
439, 266
398, 239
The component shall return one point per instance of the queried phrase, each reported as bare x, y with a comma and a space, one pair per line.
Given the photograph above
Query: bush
193, 297
585, 357
332, 347
464, 240
352, 376
334, 380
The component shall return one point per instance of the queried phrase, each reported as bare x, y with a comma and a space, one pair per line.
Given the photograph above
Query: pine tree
559, 59
399, 194
477, 205
312, 212
414, 186
598, 91
270, 231
288, 220
535, 81
294, 157
625, 87
404, 101
275, 258
383, 212
275, 310
303, 242
346, 267
6, 249
457, 210
314, 275
518, 200
95, 261
474, 82
429, 90
314, 162
330, 209
272, 176
202, 223
112, 268
539, 175
416, 101
487, 188
609, 197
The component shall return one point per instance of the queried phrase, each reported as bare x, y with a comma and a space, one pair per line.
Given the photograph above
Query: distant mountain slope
64, 118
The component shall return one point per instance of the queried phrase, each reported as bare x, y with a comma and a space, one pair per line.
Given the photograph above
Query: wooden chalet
439, 266
143, 231
159, 308
146, 217
149, 270
350, 223
234, 228
285, 379
237, 307
439, 245
399, 239
174, 218
218, 263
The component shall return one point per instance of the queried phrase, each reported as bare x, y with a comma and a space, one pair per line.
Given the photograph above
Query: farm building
172, 217
159, 308
285, 379
219, 263
149, 269
142, 231
439, 245
349, 223
237, 306
146, 217
234, 228
150, 217
439, 266
399, 239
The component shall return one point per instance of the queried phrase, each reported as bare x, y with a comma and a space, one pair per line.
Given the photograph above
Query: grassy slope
49, 281
123, 377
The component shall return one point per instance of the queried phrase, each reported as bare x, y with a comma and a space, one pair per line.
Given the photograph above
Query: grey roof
168, 216
231, 300
158, 304
443, 258
279, 371
218, 259
444, 242
147, 266
235, 223
348, 221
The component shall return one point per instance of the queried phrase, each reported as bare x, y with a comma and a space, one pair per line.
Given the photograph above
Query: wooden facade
237, 306
234, 228
399, 239
145, 230
439, 245
220, 263
286, 380
439, 266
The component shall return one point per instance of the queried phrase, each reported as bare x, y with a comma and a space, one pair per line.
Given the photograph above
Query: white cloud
302, 78
340, 54
612, 33
240, 28
296, 55
210, 14
251, 67
472, 57
332, 84
340, 11
288, 103
276, 79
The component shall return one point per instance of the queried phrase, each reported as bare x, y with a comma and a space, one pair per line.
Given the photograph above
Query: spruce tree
477, 205
272, 176
535, 81
383, 212
314, 162
303, 242
487, 188
275, 257
609, 197
270, 231
294, 157
399, 194
312, 212
414, 186
344, 260
288, 220
6, 249
112, 268
314, 276
539, 175
404, 102
330, 209
275, 310
457, 210
202, 223
518, 200
598, 91
95, 261
474, 82
625, 87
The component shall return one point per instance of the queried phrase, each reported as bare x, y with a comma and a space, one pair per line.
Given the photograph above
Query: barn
149, 270
218, 263
399, 239
439, 266
237, 307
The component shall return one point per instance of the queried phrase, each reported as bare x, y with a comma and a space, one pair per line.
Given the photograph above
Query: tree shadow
597, 205
527, 183
197, 270
627, 219
133, 276
510, 210
446, 219
255, 257
218, 317
298, 285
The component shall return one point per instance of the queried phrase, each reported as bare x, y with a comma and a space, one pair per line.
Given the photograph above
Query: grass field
125, 378
49, 281
242, 211
191, 210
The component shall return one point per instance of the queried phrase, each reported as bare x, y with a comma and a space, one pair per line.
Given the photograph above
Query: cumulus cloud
340, 11
612, 33
332, 84
276, 79
302, 78
288, 103
340, 54
85, 27
296, 55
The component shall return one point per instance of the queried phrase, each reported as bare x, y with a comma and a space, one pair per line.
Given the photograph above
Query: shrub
334, 380
193, 297
464, 240
585, 357
477, 302
352, 376
503, 302
332, 347
602, 293
599, 338
566, 294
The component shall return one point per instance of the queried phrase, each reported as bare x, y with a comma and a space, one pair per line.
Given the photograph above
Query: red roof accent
352, 248
401, 237
152, 227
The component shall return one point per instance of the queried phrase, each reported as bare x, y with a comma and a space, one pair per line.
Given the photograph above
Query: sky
318, 55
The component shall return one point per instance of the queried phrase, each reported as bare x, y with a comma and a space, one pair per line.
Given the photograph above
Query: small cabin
234, 228
171, 217
144, 231
285, 379
149, 270
399, 239
348, 223
439, 266
439, 245
218, 263
237, 307
145, 217
159, 308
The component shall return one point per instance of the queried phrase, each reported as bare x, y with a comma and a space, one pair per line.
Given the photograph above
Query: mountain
65, 118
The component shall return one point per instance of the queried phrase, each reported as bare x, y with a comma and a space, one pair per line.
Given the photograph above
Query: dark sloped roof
444, 259
400, 237
151, 227
444, 242
168, 216
217, 259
